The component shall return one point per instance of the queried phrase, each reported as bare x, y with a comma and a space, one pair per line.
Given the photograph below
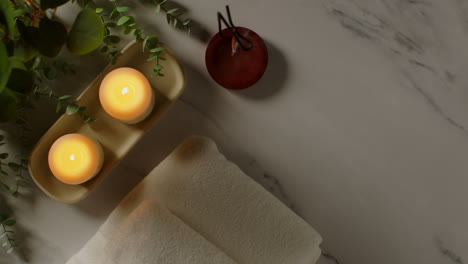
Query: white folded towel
216, 199
152, 234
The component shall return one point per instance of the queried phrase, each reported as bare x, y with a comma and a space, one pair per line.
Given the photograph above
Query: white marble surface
362, 117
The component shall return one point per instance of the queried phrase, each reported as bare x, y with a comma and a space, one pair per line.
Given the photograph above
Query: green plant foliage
4, 67
20, 81
52, 36
6, 8
7, 107
172, 15
87, 32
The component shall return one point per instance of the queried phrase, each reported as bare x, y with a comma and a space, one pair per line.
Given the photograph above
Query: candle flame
125, 91
72, 157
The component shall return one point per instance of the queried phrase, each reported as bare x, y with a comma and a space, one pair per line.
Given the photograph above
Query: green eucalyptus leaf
6, 187
114, 38
17, 63
6, 9
65, 97
19, 12
187, 22
89, 119
10, 250
72, 109
9, 222
172, 10
20, 81
7, 106
137, 32
156, 50
168, 18
99, 10
151, 42
25, 51
122, 9
45, 4
87, 33
152, 58
52, 37
59, 107
114, 14
127, 30
104, 48
14, 166
110, 24
5, 67
123, 20
157, 9
50, 73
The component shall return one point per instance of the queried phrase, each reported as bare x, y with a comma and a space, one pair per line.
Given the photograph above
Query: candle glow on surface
126, 94
75, 158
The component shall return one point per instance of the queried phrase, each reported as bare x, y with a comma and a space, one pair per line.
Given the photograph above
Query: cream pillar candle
126, 94
75, 158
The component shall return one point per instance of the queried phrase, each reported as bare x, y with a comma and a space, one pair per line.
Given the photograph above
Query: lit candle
126, 94
74, 158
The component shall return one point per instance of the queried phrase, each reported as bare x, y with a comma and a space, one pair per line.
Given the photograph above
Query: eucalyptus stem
71, 108
172, 15
11, 245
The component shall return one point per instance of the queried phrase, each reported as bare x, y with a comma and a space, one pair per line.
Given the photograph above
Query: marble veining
448, 253
330, 257
423, 39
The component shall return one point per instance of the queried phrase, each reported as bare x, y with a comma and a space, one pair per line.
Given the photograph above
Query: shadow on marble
197, 30
110, 192
274, 78
22, 236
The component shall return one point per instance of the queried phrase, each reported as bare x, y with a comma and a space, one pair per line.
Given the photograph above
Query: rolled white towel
215, 198
152, 234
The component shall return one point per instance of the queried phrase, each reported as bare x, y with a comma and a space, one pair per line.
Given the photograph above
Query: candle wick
234, 46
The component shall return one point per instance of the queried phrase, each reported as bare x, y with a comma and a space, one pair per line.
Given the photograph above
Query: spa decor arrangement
33, 38
124, 112
99, 127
